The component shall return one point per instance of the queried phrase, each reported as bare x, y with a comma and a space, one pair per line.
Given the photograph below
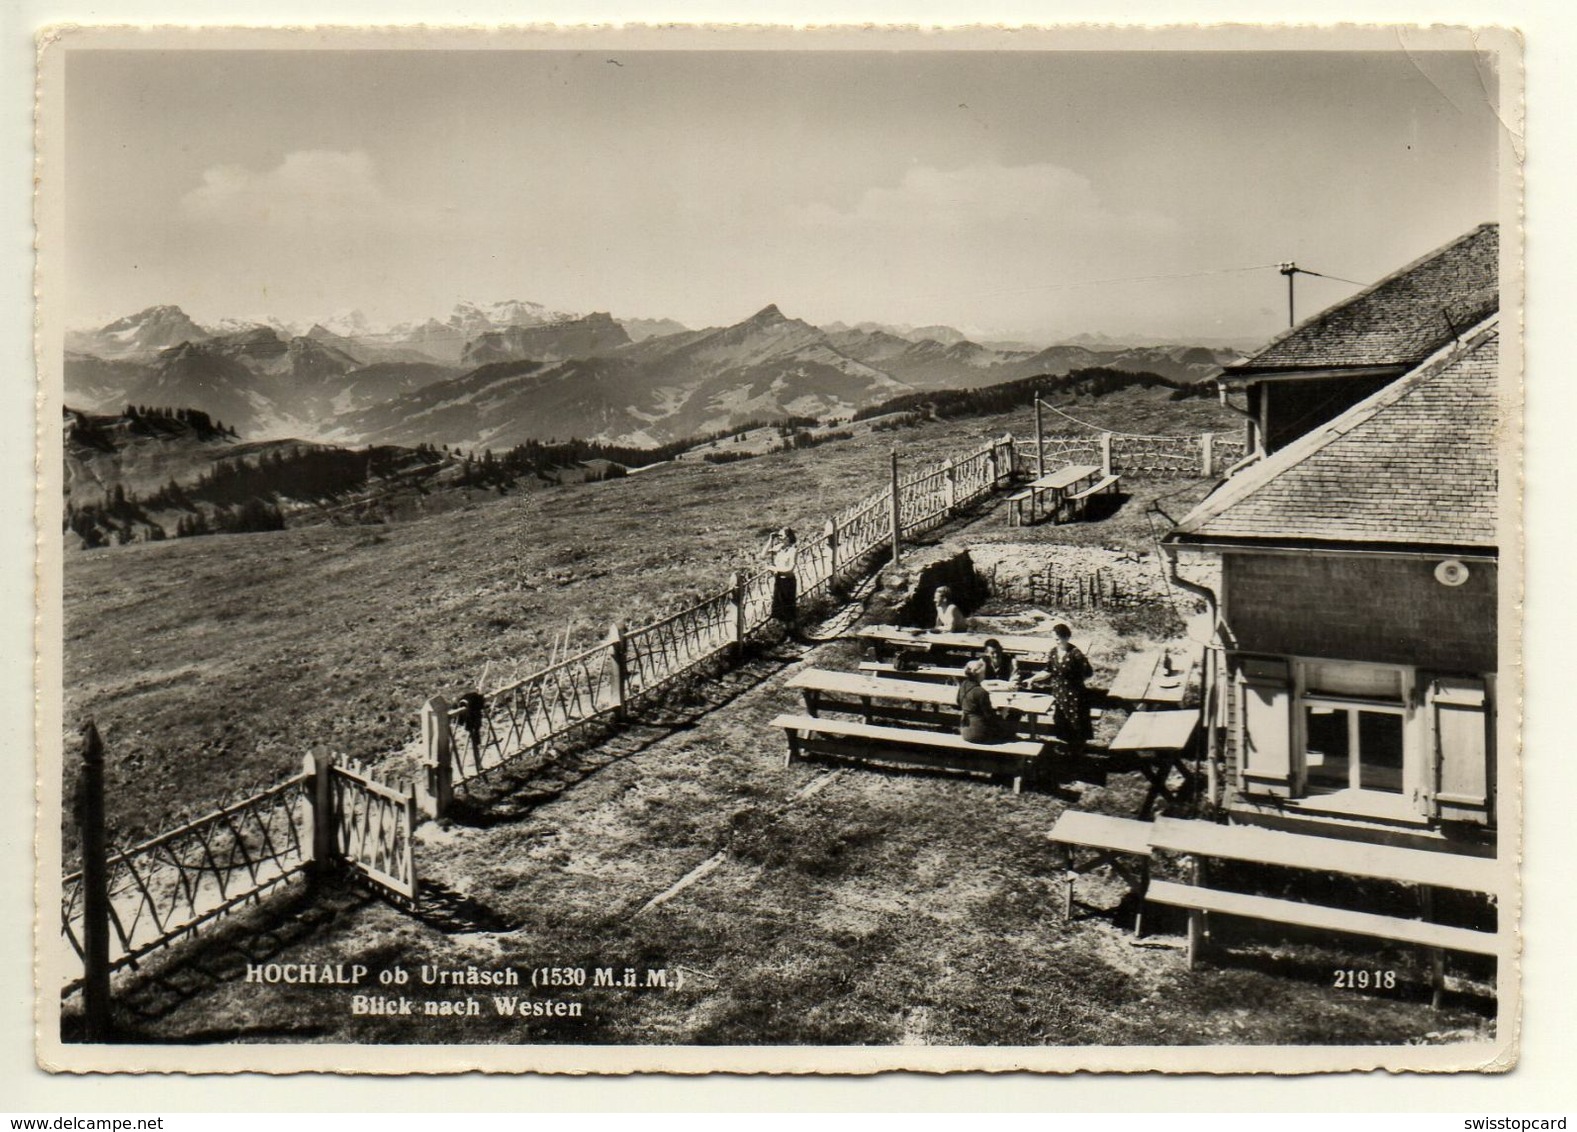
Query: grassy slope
880, 909
212, 664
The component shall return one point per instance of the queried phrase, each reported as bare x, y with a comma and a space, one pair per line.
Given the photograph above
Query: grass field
212, 665
843, 906
834, 907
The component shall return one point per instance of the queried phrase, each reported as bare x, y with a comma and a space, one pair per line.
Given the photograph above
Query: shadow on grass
199, 966
447, 911
512, 792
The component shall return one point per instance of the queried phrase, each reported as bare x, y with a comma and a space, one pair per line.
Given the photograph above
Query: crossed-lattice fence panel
657, 653
862, 530
520, 718
815, 569
174, 883
1156, 455
924, 500
1057, 450
373, 828
758, 600
1228, 451
974, 477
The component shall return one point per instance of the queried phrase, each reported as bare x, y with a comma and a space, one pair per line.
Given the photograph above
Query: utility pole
1289, 269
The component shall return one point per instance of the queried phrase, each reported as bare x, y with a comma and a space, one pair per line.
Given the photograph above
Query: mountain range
501, 374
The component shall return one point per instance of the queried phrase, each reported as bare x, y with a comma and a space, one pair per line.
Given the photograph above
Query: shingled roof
1414, 464
1398, 321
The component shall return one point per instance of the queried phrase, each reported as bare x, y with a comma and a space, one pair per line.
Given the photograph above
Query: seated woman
999, 665
978, 721
949, 618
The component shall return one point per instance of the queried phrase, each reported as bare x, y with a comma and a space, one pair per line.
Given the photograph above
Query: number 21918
1349, 978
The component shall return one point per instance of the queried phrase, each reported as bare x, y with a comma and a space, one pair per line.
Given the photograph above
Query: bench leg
1067, 894
1195, 936
793, 748
1144, 885
1437, 976
1018, 783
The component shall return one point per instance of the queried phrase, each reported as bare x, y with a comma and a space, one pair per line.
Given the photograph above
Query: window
1354, 721
1365, 740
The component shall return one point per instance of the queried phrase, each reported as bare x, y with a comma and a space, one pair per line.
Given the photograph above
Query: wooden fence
1205, 455
122, 905
526, 718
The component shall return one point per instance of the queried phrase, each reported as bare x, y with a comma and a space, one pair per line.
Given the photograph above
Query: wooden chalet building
1351, 686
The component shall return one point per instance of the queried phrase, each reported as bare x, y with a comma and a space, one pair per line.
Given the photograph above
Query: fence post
438, 743
95, 888
1207, 454
996, 465
830, 532
621, 672
949, 485
738, 582
323, 851
896, 514
1040, 442
1106, 453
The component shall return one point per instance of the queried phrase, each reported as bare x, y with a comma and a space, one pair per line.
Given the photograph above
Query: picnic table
918, 700
896, 636
1159, 739
1062, 493
1142, 679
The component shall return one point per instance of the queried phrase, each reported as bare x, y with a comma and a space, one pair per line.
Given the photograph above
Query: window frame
1406, 805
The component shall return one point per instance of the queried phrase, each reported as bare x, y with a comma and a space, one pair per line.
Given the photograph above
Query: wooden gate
373, 827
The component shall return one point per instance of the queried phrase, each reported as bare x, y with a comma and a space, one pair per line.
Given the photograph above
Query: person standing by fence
783, 550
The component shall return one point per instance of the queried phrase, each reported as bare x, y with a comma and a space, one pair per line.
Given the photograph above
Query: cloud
316, 186
1027, 198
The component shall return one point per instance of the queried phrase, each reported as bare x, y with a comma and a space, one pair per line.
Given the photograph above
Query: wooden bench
1199, 900
1055, 485
881, 700
1306, 852
1328, 854
1113, 840
842, 739
1077, 503
1016, 503
935, 673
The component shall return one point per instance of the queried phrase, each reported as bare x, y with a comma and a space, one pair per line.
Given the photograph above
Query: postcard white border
1010, 1052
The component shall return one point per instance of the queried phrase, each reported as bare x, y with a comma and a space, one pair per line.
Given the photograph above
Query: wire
1338, 278
1124, 435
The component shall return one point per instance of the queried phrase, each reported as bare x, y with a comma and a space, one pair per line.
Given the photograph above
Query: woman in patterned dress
1066, 671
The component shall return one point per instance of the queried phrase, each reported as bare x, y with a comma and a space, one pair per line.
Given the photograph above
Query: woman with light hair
978, 721
949, 618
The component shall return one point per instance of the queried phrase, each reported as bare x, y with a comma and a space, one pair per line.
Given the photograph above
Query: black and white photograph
720, 550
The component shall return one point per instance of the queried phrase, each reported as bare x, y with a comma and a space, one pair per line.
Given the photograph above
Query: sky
1040, 195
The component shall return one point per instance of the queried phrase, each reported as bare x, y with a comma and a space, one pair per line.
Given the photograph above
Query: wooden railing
483, 732
174, 883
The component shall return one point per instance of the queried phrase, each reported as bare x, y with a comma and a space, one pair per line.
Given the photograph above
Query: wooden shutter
1266, 740
1459, 714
